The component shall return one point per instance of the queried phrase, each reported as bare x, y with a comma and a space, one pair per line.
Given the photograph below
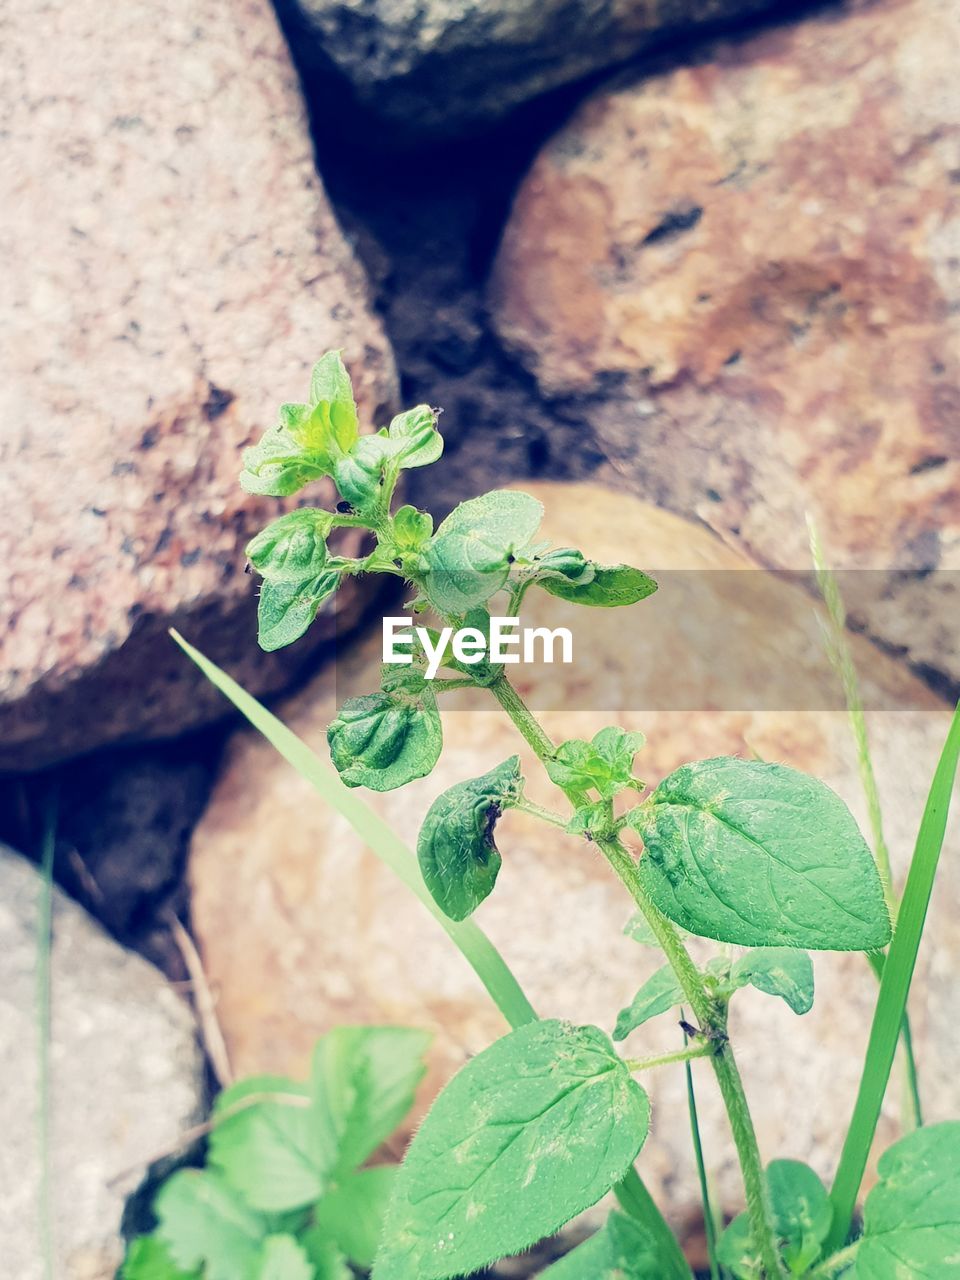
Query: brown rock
301, 927
171, 269
749, 269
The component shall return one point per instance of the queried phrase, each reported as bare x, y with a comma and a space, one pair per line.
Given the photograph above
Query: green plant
753, 855
285, 1193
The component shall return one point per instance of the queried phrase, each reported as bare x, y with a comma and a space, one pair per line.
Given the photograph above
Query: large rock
444, 66
171, 269
747, 271
126, 1080
301, 927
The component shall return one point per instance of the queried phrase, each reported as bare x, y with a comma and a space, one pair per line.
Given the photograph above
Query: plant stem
538, 811
679, 1055
839, 1262
708, 1014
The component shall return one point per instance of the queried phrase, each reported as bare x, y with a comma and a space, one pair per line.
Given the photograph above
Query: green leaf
469, 557
309, 438
529, 1133
411, 529
621, 1250
279, 465
266, 1148
204, 1223
283, 1259
911, 1224
458, 858
286, 609
352, 1214
326, 1259
293, 548
363, 1084
802, 1215
660, 993
385, 740
331, 392
609, 587
149, 1259
359, 475
565, 562
605, 764
414, 438
777, 971
761, 855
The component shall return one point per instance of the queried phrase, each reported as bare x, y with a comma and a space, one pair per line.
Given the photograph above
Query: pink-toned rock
749, 268
171, 270
301, 927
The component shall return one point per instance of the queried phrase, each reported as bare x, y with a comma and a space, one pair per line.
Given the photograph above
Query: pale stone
126, 1081
171, 269
747, 272
302, 928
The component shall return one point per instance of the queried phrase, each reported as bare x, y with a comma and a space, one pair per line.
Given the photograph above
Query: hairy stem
709, 1015
664, 1059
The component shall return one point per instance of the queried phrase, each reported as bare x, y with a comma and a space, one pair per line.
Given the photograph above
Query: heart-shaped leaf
911, 1222
531, 1131
458, 858
761, 855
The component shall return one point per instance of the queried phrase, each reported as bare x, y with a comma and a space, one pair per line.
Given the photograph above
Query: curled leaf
777, 971
458, 857
385, 740
411, 529
293, 548
608, 587
604, 765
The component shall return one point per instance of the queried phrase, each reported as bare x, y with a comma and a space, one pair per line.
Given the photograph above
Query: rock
172, 269
126, 1079
447, 66
302, 928
748, 272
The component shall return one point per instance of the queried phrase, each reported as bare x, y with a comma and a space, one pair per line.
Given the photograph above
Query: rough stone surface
748, 270
126, 1078
302, 928
443, 66
171, 270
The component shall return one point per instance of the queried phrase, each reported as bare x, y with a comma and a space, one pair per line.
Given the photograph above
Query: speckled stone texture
126, 1079
748, 271
171, 270
302, 928
439, 67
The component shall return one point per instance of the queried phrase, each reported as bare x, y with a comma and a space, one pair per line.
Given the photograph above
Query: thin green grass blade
894, 989
473, 944
471, 941
709, 1221
841, 659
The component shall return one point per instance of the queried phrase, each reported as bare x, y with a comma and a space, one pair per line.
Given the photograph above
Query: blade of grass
841, 659
44, 1003
894, 989
473, 944
709, 1221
